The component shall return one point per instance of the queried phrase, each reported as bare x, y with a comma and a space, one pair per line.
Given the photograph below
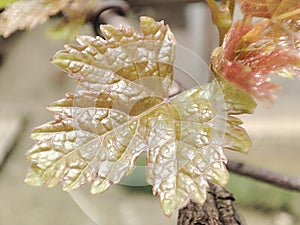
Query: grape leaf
122, 108
283, 15
259, 8
274, 9
26, 14
253, 51
287, 9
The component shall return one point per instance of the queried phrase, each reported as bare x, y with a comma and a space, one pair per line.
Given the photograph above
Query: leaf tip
33, 178
100, 185
60, 61
146, 19
168, 207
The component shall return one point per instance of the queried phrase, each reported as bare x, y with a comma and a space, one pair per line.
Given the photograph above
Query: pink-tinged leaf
27, 14
251, 52
259, 8
272, 9
287, 10
122, 108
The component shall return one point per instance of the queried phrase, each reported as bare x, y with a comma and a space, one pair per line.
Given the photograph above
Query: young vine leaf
122, 109
27, 14
253, 51
272, 9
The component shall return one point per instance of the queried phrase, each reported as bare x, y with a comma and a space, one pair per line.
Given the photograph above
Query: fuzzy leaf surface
253, 51
122, 108
27, 14
274, 9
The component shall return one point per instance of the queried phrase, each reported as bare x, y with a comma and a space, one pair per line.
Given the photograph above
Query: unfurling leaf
274, 9
259, 8
253, 51
122, 108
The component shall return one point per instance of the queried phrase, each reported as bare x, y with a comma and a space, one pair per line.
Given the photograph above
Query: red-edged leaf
275, 9
251, 52
259, 8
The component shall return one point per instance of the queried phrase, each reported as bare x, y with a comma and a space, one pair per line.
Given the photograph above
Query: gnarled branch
218, 209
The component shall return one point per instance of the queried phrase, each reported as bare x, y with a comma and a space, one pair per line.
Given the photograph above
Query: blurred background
29, 82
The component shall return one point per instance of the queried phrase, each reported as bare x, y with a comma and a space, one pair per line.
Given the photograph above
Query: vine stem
264, 175
221, 16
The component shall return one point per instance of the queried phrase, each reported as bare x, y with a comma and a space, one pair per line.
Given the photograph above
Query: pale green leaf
5, 3
186, 147
26, 14
236, 100
122, 108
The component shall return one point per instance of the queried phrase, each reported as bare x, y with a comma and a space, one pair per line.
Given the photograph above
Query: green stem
221, 16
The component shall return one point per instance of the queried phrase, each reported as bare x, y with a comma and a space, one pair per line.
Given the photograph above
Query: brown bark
218, 209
